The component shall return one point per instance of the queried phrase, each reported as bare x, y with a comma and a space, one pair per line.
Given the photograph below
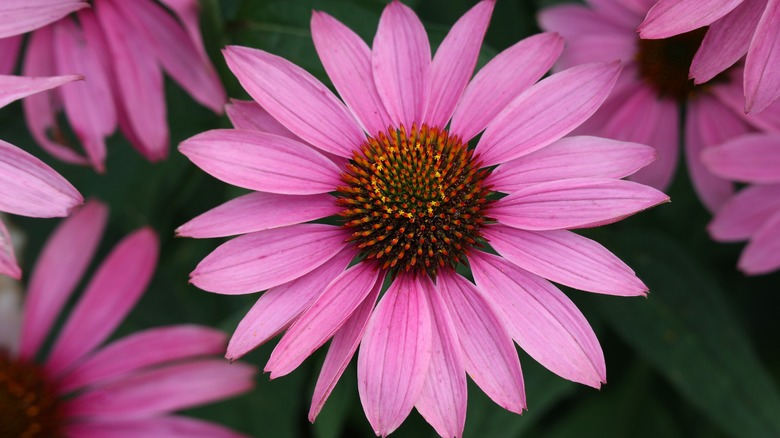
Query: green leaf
687, 330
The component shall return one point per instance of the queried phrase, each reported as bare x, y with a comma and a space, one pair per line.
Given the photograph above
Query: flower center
664, 64
414, 201
28, 405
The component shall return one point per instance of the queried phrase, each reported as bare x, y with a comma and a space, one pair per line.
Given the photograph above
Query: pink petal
762, 254
8, 265
261, 260
88, 105
139, 83
59, 268
187, 11
442, 401
566, 258
744, 213
547, 111
257, 212
709, 123
281, 305
9, 46
167, 426
726, 41
574, 21
732, 95
177, 52
31, 188
542, 320
762, 77
750, 158
296, 99
341, 350
401, 61
20, 16
572, 157
162, 390
574, 203
13, 88
326, 315
247, 114
395, 355
111, 294
347, 60
623, 12
143, 350
643, 118
454, 62
673, 17
488, 352
503, 78
260, 161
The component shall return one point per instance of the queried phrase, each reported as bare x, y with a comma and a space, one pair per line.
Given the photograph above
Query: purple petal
20, 16
260, 161
296, 99
343, 346
395, 354
488, 352
566, 258
454, 62
442, 401
673, 17
744, 213
572, 157
110, 295
401, 61
574, 203
751, 158
257, 212
31, 188
503, 78
347, 60
262, 260
281, 305
762, 76
59, 268
762, 254
542, 320
726, 41
323, 319
546, 112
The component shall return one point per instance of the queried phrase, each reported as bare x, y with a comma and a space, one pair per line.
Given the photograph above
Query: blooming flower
644, 105
122, 48
736, 27
397, 196
126, 388
753, 213
29, 187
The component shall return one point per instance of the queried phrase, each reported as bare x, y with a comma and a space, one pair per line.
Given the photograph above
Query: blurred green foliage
698, 358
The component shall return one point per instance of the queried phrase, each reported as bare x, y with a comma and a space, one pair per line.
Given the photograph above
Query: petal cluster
122, 49
134, 383
419, 337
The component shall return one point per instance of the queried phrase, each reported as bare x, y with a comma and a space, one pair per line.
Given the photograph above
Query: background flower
126, 388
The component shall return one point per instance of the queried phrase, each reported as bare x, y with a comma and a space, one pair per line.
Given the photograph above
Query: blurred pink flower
127, 388
413, 203
736, 27
20, 16
754, 213
121, 48
645, 104
29, 187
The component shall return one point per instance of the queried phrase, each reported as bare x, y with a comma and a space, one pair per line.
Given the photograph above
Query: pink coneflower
736, 27
122, 48
384, 188
126, 388
753, 213
644, 106
29, 187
